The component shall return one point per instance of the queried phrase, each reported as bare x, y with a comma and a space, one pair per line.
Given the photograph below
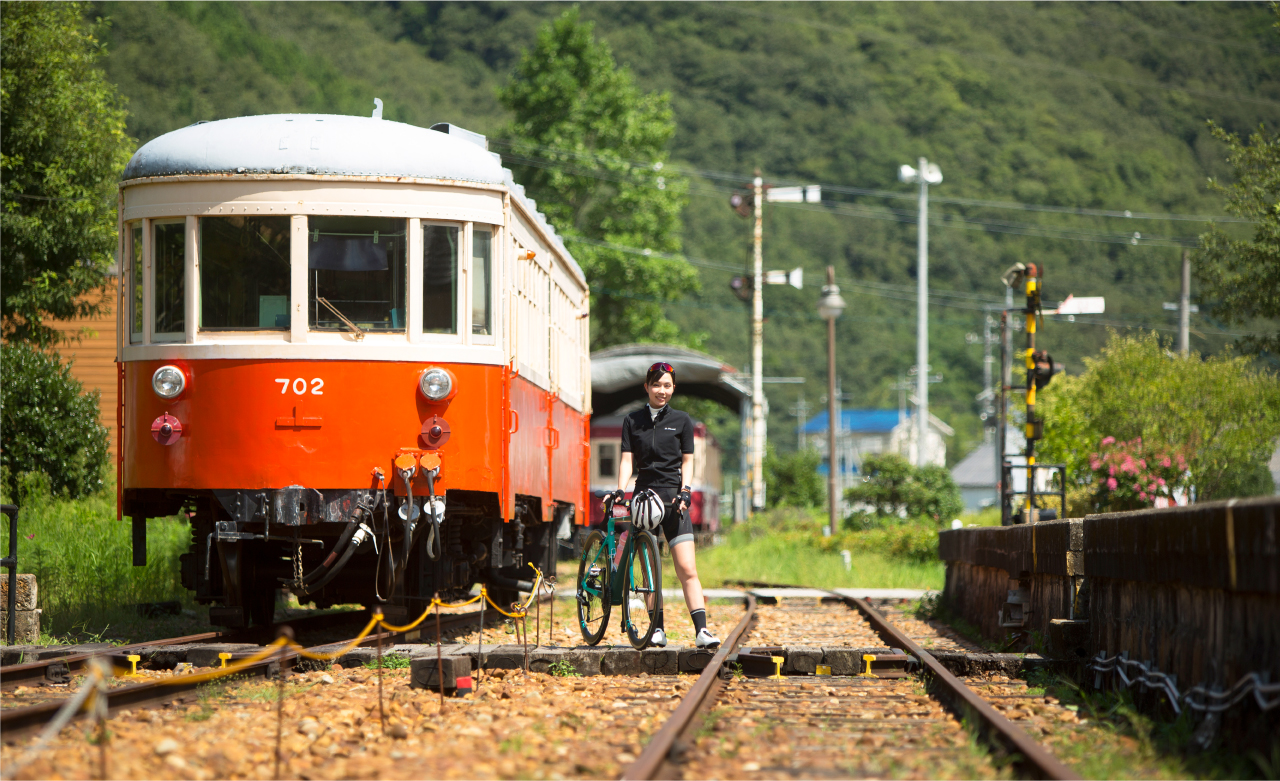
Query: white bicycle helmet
647, 510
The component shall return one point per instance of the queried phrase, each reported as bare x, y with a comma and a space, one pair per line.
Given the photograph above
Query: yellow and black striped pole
1035, 429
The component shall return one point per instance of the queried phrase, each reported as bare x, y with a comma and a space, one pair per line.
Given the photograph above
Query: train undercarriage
336, 547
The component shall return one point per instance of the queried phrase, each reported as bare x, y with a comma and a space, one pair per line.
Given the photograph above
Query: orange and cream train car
356, 354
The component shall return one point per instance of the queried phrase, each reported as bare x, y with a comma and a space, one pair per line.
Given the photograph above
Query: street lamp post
927, 174
829, 308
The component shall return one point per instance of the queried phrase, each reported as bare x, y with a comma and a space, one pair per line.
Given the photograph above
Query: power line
655, 168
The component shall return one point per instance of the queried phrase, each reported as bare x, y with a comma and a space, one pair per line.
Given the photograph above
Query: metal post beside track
11, 561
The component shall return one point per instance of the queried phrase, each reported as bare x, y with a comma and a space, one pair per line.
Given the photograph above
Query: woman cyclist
657, 446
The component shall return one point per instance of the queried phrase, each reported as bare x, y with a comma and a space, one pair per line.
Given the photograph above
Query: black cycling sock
699, 617
657, 620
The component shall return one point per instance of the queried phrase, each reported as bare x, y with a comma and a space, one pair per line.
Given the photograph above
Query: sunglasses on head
661, 366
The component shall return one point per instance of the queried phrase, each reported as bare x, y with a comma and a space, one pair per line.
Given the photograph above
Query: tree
1240, 276
892, 487
62, 147
792, 480
1219, 413
590, 148
49, 424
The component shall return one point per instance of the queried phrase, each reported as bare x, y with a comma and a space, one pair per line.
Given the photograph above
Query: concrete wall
1194, 590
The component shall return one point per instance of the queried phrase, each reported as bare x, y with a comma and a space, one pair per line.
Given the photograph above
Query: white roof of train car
330, 144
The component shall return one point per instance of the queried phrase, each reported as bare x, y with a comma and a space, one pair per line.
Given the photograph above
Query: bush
1221, 414
49, 424
793, 480
893, 488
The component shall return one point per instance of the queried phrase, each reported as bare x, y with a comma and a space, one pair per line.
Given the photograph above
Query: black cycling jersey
657, 445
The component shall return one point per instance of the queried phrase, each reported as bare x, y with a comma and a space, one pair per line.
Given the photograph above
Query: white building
864, 432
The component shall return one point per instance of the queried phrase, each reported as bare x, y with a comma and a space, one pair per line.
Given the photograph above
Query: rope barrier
92, 693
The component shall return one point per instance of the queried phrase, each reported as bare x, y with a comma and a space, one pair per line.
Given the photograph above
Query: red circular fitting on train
435, 432
166, 429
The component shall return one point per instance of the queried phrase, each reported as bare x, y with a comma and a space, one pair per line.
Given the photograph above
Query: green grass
82, 558
389, 662
786, 546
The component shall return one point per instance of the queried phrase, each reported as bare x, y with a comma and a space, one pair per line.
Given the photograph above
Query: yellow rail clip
868, 658
777, 662
224, 656
133, 663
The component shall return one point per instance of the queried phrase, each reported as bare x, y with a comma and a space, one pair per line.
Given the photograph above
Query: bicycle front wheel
643, 597
593, 588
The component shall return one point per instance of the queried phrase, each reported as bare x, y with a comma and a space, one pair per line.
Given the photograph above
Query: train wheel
643, 596
592, 589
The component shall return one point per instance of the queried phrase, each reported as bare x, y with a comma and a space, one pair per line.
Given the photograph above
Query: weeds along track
737, 721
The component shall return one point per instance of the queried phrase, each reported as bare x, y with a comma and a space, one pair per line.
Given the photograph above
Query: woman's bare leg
682, 555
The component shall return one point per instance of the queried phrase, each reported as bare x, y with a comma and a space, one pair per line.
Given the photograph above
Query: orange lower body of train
342, 481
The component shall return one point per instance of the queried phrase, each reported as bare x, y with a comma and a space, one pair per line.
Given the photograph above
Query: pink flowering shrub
1131, 475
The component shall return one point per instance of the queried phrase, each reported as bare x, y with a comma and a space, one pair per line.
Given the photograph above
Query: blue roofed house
864, 432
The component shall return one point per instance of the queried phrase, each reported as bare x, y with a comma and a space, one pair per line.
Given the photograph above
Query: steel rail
15, 675
703, 690
1031, 758
15, 722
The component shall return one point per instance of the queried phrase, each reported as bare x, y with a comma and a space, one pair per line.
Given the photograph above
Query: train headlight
168, 382
436, 384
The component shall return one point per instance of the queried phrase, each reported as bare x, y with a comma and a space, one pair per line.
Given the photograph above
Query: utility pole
1184, 305
757, 349
922, 322
925, 175
1002, 406
800, 411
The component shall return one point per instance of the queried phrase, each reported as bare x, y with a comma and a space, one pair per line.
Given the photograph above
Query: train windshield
244, 273
356, 268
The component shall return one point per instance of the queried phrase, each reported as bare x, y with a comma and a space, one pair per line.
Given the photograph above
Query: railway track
19, 721
835, 727
62, 667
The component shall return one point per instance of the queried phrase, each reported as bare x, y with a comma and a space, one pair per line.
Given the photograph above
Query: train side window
168, 283
133, 244
608, 459
244, 273
439, 279
481, 281
356, 268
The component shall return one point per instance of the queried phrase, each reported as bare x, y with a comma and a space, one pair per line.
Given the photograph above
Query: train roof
331, 144
315, 144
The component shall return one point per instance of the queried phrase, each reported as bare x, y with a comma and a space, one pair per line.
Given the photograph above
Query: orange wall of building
93, 358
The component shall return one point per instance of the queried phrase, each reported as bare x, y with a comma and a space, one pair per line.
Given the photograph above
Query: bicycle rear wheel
592, 596
643, 594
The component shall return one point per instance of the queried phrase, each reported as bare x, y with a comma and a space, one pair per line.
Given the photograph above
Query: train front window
439, 279
481, 294
168, 285
244, 273
356, 268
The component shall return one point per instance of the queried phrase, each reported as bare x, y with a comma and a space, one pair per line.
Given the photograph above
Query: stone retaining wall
1193, 590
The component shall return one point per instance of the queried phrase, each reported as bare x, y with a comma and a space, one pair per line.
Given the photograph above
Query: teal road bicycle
623, 571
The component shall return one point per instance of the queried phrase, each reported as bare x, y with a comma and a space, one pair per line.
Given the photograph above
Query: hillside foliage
1076, 114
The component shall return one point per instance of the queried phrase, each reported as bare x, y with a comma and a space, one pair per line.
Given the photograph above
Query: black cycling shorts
676, 526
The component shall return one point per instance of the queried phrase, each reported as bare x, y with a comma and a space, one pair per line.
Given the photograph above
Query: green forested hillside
1071, 106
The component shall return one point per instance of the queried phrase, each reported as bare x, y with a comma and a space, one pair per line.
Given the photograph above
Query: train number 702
300, 386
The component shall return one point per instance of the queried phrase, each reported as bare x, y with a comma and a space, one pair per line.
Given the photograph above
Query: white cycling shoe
706, 640
659, 638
